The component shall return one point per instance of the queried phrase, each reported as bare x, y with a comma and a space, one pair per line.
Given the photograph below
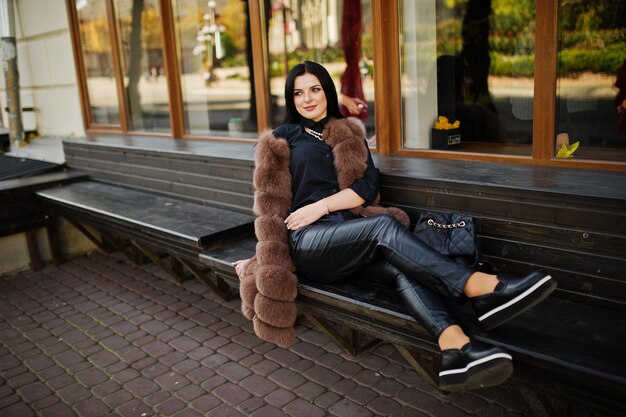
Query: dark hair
291, 113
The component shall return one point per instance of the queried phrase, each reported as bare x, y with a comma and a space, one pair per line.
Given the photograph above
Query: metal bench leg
162, 264
220, 289
52, 229
428, 373
36, 263
345, 337
534, 402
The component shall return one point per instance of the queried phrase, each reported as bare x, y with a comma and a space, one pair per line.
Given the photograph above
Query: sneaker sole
492, 372
516, 306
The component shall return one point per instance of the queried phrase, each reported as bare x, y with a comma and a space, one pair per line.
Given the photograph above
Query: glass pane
215, 63
475, 59
96, 49
591, 83
337, 34
145, 84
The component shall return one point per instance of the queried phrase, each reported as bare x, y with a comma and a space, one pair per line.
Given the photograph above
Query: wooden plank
580, 239
188, 222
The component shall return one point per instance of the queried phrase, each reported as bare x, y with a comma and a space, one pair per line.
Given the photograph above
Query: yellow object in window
443, 123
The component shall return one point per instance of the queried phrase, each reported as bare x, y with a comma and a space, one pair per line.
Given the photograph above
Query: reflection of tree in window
134, 64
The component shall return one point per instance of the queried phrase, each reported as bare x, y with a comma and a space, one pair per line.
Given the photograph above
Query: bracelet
327, 209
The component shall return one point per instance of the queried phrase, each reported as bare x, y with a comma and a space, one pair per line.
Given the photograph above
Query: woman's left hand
306, 215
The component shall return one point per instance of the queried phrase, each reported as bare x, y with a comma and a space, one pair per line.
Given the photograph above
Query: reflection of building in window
209, 45
299, 24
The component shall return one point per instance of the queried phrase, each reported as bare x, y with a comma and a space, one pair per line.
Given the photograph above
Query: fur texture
269, 286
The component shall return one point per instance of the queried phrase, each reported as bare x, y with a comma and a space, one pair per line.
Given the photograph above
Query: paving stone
141, 387
224, 411
406, 411
184, 343
61, 381
322, 375
170, 407
157, 349
268, 411
257, 385
282, 356
367, 377
309, 390
171, 381
190, 392
156, 398
45, 402
362, 395
168, 335
418, 399
327, 399
139, 345
346, 408
383, 406
200, 353
9, 400
287, 378
106, 388
18, 410
232, 371
135, 408
389, 387
34, 391
302, 365
200, 374
265, 367
250, 405
74, 393
205, 403
117, 398
300, 407
91, 377
247, 340
92, 407
214, 361
344, 386
23, 379
231, 393
280, 397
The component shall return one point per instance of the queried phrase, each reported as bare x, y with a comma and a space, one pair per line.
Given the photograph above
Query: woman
312, 177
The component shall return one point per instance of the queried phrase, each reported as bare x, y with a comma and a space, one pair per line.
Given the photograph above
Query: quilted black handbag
450, 234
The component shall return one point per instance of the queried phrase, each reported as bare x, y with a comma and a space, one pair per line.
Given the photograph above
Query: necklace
313, 133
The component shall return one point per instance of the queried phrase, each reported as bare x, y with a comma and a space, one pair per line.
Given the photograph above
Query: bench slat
189, 222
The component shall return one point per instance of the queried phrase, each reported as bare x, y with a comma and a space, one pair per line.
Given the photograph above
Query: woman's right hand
241, 266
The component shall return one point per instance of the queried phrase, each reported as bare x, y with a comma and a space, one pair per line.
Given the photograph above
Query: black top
313, 175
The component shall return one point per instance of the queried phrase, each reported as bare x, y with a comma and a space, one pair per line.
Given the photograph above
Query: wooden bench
20, 211
568, 350
139, 220
572, 223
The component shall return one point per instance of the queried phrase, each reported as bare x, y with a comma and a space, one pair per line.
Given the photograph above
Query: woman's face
309, 97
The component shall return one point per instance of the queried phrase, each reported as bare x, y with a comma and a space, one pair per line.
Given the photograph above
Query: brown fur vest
269, 286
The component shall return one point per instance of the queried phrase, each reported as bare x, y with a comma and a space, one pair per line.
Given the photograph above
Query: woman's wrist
326, 207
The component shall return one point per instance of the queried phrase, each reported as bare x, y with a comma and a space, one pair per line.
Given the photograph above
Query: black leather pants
331, 250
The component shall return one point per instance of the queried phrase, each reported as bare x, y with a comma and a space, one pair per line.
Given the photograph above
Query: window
337, 34
515, 80
97, 57
591, 83
215, 64
145, 84
475, 60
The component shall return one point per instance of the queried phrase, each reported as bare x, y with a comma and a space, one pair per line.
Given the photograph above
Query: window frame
387, 89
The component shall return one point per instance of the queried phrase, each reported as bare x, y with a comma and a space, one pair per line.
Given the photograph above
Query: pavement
100, 336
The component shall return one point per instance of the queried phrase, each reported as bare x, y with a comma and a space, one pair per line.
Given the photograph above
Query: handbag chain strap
431, 222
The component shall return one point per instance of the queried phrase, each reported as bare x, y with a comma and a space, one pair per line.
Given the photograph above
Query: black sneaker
474, 366
512, 296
